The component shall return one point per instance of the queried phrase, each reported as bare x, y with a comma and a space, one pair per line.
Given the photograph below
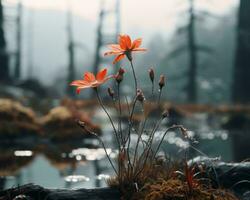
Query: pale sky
151, 14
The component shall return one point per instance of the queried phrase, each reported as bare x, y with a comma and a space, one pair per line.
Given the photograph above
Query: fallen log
232, 176
35, 192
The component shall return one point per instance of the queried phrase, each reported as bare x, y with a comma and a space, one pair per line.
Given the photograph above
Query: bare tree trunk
4, 67
17, 71
71, 53
241, 75
99, 39
192, 85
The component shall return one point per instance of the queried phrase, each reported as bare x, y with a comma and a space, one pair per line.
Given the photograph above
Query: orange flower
124, 48
90, 81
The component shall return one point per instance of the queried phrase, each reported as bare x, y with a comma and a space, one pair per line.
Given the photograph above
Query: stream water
79, 164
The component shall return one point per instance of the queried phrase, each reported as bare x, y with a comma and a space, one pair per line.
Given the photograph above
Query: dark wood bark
241, 80
39, 193
71, 54
4, 68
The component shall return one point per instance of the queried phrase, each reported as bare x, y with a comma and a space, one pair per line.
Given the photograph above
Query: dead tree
102, 37
17, 71
71, 53
192, 48
241, 75
4, 64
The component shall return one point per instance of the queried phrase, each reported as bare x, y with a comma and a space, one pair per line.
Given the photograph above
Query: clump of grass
161, 181
176, 189
139, 173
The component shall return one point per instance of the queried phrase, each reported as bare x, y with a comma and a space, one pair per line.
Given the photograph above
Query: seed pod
162, 81
111, 92
140, 96
165, 114
119, 75
83, 126
81, 123
184, 132
151, 74
121, 71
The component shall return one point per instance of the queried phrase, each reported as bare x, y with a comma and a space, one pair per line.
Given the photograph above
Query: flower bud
151, 74
162, 81
119, 75
84, 127
111, 92
121, 71
165, 114
184, 132
81, 123
140, 96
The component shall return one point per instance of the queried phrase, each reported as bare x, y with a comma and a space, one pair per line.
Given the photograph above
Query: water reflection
53, 165
12, 160
76, 178
90, 154
73, 164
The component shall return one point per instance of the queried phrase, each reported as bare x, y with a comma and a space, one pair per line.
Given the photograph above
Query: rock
60, 123
16, 120
233, 176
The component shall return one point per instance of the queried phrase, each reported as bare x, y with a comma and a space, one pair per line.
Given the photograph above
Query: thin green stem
108, 155
110, 119
152, 88
104, 147
138, 141
150, 140
135, 79
129, 133
162, 139
159, 96
120, 114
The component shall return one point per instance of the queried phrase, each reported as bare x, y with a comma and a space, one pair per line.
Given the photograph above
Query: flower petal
125, 42
136, 43
89, 77
112, 53
122, 42
107, 78
101, 74
78, 89
118, 58
128, 41
79, 83
139, 49
115, 47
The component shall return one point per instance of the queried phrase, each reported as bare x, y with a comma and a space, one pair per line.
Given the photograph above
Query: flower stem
107, 155
159, 97
103, 145
129, 133
170, 128
111, 121
135, 79
137, 142
120, 114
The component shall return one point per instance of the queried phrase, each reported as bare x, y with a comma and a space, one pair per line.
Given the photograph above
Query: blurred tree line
208, 67
206, 60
